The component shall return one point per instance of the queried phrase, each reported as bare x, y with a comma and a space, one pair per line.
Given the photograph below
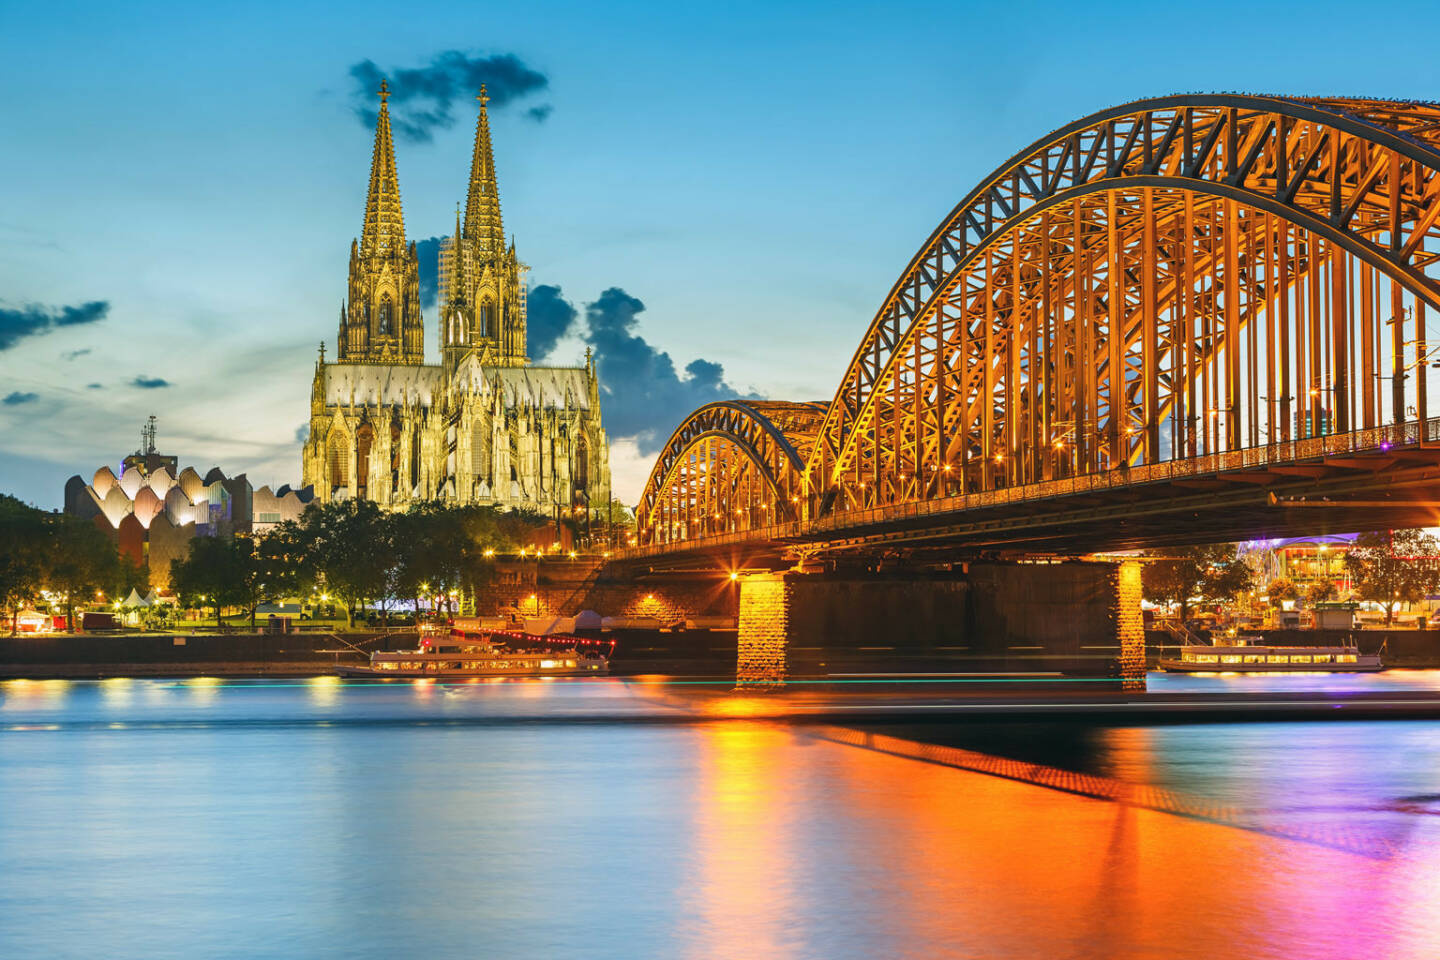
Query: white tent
135, 600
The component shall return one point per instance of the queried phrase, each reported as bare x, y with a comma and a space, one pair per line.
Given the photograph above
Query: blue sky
755, 174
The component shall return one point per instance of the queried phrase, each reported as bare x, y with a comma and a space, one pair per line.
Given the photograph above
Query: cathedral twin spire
482, 204
481, 283
380, 319
384, 229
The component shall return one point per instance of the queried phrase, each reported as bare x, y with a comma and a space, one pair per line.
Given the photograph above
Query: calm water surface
152, 818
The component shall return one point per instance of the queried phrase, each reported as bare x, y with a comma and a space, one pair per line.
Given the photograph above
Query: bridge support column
1130, 625
762, 654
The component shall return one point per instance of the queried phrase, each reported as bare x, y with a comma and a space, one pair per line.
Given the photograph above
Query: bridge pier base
763, 630
1071, 621
1129, 625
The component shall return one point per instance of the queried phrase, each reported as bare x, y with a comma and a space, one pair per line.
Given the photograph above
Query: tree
1177, 575
1319, 592
1394, 566
80, 560
1280, 590
221, 572
346, 549
22, 556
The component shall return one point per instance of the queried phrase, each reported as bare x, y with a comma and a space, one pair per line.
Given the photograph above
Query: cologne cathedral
484, 425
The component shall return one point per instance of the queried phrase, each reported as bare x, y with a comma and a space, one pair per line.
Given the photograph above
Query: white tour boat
466, 651
1253, 655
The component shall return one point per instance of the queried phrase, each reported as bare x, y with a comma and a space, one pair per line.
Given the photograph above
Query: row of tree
357, 554
60, 555
1387, 567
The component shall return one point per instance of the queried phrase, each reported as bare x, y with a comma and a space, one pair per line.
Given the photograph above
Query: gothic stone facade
483, 425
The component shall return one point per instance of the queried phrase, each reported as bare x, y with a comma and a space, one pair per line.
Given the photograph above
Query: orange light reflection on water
938, 861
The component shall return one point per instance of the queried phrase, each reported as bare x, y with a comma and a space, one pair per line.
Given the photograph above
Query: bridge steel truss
1160, 283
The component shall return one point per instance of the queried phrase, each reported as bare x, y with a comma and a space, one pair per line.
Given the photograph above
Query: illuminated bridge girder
1161, 283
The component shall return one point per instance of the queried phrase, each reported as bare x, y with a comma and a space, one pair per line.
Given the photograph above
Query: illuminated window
1230, 658
1284, 659
339, 460
1300, 659
1205, 658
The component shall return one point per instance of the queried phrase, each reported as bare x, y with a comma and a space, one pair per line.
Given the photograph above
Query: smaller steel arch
753, 430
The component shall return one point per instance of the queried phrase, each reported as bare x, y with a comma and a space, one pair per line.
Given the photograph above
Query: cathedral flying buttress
483, 425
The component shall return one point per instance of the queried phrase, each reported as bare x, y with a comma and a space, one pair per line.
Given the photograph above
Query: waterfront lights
734, 575
489, 551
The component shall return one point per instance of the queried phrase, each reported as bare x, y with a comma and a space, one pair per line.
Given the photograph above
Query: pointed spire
384, 231
458, 286
482, 206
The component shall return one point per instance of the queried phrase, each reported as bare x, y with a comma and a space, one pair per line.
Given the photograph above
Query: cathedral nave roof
382, 383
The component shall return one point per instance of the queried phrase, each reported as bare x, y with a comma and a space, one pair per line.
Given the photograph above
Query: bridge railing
1407, 434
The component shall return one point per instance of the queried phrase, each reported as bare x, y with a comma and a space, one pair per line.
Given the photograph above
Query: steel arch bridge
1184, 287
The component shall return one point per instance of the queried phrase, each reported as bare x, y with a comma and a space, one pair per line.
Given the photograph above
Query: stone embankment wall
236, 654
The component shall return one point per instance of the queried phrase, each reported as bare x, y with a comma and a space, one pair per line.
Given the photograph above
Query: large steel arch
730, 465
1354, 182
1166, 279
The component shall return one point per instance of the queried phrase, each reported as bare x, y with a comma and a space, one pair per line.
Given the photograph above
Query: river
600, 819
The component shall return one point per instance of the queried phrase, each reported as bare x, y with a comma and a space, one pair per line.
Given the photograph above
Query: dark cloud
17, 398
94, 386
539, 114
548, 317
427, 251
302, 433
422, 99
74, 354
644, 397
33, 320
149, 383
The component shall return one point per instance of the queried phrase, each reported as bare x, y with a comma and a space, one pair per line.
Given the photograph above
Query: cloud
74, 354
548, 317
644, 397
33, 320
427, 251
94, 386
541, 113
17, 398
302, 433
149, 383
422, 99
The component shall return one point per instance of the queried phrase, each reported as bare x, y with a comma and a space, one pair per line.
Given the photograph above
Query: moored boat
1244, 655
455, 652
